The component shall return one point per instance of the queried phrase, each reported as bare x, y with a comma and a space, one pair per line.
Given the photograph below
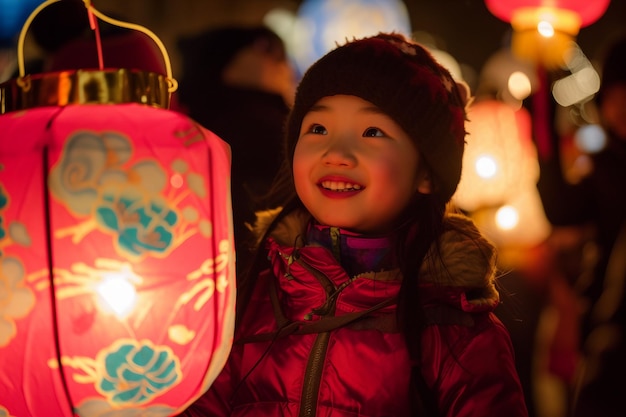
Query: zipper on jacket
317, 355
313, 376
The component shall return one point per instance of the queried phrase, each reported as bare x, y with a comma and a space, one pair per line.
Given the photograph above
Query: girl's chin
339, 224
350, 227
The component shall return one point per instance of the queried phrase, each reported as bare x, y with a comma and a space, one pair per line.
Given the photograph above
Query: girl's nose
340, 152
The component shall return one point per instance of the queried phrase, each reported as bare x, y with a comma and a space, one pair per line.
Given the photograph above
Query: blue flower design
136, 372
142, 224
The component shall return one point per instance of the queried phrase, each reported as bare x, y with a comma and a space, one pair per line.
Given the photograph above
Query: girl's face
354, 167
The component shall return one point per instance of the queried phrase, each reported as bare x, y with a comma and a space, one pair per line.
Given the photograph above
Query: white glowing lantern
581, 84
321, 24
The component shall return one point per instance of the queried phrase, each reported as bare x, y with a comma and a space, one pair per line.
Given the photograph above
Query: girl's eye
318, 130
372, 132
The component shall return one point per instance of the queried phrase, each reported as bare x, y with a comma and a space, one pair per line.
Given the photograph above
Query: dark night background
463, 28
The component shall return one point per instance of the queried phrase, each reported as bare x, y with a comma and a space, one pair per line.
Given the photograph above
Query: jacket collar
466, 265
356, 253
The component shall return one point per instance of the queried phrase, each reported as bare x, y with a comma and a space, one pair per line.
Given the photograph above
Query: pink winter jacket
286, 362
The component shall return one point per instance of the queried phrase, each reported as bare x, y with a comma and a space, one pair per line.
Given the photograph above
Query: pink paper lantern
116, 251
544, 30
588, 11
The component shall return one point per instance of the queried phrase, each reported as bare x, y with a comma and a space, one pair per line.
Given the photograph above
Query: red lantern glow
116, 251
587, 11
116, 263
544, 29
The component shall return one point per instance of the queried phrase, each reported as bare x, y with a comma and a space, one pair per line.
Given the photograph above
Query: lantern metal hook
172, 83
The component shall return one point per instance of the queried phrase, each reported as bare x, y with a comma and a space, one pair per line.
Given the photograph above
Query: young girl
367, 298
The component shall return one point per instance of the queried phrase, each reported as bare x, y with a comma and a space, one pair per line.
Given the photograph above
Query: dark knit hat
403, 80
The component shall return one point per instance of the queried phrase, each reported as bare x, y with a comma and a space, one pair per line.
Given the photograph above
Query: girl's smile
354, 167
339, 187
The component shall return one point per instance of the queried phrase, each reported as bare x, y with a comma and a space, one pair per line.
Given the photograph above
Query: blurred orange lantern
499, 157
500, 172
116, 253
544, 29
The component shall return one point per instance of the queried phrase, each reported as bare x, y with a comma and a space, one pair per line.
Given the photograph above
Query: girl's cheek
299, 159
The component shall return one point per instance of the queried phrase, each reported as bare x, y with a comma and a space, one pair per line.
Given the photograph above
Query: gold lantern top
87, 86
110, 86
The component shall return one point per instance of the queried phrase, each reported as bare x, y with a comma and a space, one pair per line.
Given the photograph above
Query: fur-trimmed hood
462, 262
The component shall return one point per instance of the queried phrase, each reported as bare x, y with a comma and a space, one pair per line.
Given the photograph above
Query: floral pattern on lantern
17, 299
127, 373
127, 202
116, 261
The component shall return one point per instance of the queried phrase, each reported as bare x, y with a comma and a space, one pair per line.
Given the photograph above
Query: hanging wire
92, 11
93, 23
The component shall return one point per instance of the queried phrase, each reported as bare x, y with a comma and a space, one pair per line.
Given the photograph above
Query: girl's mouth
340, 186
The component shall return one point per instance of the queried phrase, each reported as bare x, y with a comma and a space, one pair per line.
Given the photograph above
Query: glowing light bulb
486, 166
118, 294
545, 29
507, 217
177, 180
519, 85
590, 138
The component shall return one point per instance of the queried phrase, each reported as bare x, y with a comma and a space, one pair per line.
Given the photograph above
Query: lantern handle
173, 84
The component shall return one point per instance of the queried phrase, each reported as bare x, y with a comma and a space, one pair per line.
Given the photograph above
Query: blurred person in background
239, 83
598, 391
598, 200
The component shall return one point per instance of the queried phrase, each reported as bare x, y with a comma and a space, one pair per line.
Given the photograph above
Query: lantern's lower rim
85, 86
